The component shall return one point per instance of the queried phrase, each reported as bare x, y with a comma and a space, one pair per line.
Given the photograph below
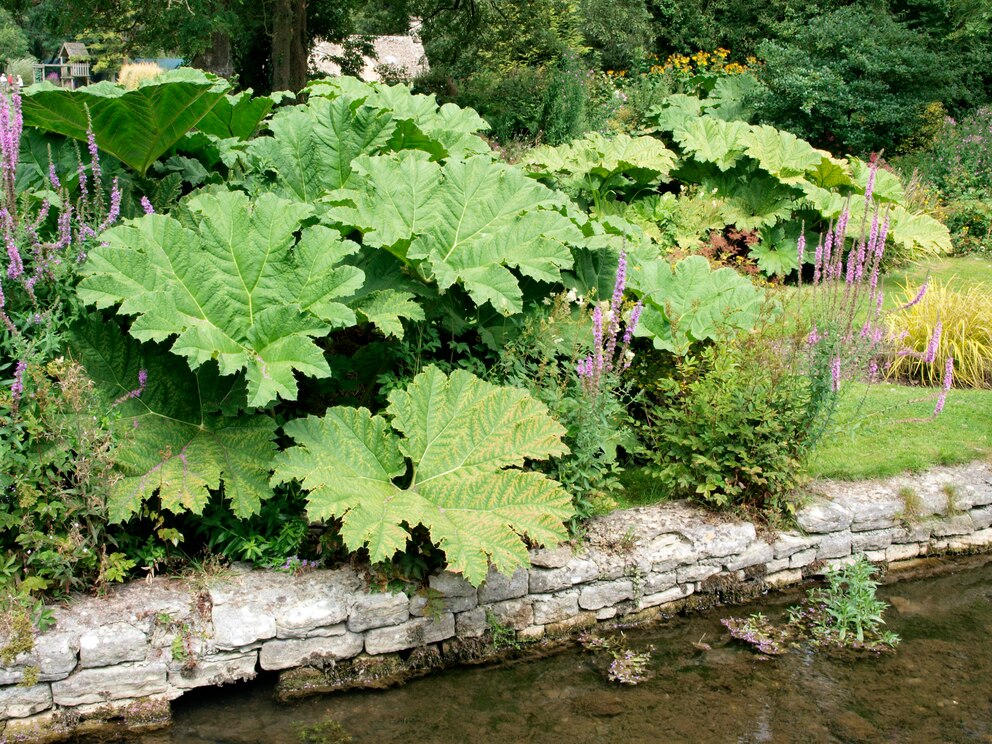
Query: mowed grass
887, 429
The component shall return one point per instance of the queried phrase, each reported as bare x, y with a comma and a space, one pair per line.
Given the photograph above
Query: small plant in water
626, 667
758, 631
846, 611
843, 614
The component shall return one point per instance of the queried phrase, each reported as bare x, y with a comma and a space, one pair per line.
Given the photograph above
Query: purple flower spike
17, 389
919, 296
934, 344
835, 373
147, 205
945, 388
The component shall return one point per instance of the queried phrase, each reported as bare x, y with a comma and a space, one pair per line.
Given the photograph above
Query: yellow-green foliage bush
134, 74
966, 334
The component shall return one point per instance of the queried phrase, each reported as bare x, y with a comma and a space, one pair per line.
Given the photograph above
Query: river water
937, 687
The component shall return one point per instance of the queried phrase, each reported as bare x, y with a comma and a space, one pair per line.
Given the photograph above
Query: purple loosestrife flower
94, 153
801, 253
147, 205
835, 373
115, 207
946, 386
919, 296
17, 389
934, 344
616, 304
136, 393
53, 177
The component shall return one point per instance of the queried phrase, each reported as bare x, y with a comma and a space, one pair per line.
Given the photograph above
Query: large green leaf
448, 131
237, 287
312, 147
689, 302
176, 440
466, 222
135, 126
236, 116
643, 160
713, 140
465, 441
782, 154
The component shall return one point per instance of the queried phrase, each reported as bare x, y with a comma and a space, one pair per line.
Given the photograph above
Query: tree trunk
290, 45
217, 57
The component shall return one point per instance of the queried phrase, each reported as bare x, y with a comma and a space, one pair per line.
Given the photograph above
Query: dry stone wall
120, 659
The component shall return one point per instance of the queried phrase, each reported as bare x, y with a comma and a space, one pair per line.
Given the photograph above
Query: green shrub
959, 162
970, 223
57, 451
731, 428
852, 79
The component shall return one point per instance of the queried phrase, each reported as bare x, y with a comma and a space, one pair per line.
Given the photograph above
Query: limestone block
874, 539
874, 509
89, 686
606, 613
112, 644
803, 558
551, 557
471, 624
779, 564
54, 656
659, 582
960, 524
378, 611
824, 516
498, 587
422, 605
513, 613
311, 613
412, 633
284, 654
532, 633
216, 669
790, 543
605, 594
700, 572
451, 585
555, 608
758, 553
238, 625
982, 517
912, 532
665, 597
21, 702
716, 540
784, 578
901, 552
668, 551
576, 571
834, 545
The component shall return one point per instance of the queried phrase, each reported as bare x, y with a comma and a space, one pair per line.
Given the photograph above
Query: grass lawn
875, 434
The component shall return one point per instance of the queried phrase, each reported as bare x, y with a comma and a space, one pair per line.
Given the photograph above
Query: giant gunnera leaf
465, 222
688, 302
238, 286
135, 126
182, 435
447, 455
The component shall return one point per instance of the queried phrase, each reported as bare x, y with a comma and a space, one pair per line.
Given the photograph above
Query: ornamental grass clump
940, 326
